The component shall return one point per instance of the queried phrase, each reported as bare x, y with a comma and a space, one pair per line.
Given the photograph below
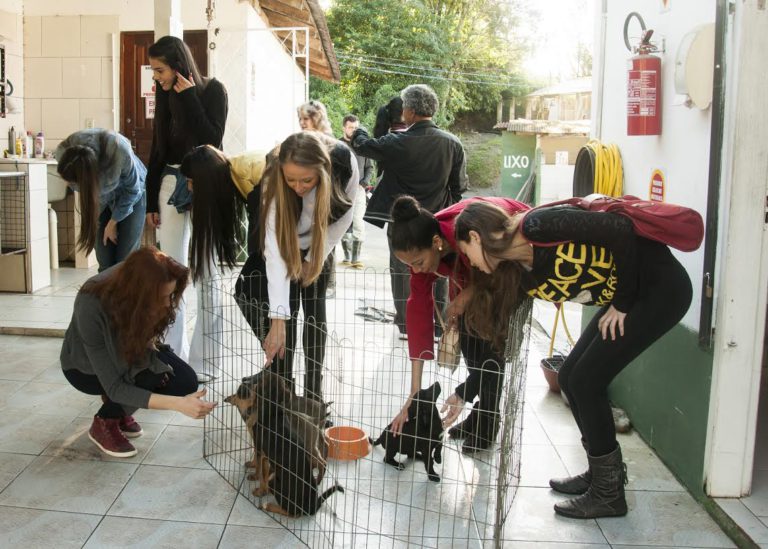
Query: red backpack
670, 224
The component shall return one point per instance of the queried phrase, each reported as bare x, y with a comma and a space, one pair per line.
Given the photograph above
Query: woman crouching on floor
112, 348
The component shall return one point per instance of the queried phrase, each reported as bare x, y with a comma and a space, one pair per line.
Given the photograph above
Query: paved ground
57, 490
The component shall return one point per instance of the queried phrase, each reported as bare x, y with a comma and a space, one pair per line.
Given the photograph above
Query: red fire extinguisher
644, 90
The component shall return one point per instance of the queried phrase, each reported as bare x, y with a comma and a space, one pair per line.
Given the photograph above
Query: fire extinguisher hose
598, 169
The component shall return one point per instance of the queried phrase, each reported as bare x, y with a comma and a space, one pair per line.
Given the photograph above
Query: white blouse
278, 283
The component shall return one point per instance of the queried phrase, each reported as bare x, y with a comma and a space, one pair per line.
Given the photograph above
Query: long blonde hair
305, 149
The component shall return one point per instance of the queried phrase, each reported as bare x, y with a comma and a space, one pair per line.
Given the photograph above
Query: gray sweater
91, 346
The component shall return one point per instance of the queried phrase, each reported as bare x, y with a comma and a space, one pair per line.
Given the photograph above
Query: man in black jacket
425, 162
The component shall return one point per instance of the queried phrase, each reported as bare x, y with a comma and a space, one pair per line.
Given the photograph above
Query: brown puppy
245, 401
305, 416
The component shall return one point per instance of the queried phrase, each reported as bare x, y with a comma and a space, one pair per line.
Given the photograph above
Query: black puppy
421, 437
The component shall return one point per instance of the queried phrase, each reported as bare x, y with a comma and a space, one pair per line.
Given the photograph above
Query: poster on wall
149, 107
147, 85
657, 186
147, 89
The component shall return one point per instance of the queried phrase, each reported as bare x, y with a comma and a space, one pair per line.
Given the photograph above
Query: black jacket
424, 161
205, 117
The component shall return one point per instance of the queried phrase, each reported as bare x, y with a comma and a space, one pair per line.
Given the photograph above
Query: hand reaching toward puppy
194, 406
401, 418
454, 404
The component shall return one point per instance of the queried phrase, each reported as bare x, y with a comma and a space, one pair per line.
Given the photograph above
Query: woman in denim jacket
102, 166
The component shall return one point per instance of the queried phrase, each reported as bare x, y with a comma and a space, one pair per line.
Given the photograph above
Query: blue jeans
128, 235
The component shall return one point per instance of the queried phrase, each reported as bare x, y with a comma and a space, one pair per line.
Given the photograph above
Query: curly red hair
131, 297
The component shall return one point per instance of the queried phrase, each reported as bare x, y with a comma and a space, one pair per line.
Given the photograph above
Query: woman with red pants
425, 242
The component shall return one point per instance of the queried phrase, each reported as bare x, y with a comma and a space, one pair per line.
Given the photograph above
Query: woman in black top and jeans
563, 253
190, 110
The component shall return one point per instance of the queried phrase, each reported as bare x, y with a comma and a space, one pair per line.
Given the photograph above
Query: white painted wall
263, 83
682, 150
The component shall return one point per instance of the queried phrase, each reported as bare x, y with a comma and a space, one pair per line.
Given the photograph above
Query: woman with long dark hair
563, 253
190, 110
425, 242
220, 187
113, 348
102, 166
303, 208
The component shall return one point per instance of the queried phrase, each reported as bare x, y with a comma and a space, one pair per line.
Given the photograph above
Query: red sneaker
130, 427
106, 434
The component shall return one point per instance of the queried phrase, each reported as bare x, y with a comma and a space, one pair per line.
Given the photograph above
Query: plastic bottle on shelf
19, 147
28, 140
39, 145
12, 141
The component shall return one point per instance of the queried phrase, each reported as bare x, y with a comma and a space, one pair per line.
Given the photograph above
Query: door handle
128, 120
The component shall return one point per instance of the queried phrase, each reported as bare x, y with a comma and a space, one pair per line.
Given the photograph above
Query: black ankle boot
605, 496
466, 427
485, 434
575, 485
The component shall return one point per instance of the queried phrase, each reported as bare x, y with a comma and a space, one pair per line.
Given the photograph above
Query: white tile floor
57, 490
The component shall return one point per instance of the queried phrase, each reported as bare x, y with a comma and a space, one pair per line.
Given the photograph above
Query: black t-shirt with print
582, 256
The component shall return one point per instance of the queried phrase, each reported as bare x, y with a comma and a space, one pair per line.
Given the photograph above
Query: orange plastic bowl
347, 443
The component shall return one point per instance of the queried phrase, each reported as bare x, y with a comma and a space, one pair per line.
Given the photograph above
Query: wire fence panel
269, 441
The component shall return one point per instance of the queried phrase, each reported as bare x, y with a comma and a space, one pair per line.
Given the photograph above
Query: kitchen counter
18, 160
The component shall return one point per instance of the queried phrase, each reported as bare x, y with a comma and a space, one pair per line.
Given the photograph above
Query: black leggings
664, 295
253, 299
181, 382
485, 370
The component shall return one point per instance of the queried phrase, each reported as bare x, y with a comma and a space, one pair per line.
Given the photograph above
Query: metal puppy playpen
366, 380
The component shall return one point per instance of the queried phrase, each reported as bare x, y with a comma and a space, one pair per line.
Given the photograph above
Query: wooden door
133, 54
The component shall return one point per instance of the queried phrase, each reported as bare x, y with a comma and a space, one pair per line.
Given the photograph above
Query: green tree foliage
464, 49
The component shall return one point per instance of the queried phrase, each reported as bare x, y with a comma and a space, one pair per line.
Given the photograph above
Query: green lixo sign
518, 158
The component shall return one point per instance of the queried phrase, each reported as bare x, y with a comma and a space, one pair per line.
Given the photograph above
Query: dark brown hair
497, 295
131, 298
218, 209
79, 164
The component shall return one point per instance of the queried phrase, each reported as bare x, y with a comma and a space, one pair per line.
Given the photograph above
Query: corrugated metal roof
579, 85
567, 127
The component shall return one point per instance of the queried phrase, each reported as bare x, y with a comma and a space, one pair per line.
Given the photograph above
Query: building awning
303, 13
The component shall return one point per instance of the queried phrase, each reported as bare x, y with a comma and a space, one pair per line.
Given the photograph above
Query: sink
57, 187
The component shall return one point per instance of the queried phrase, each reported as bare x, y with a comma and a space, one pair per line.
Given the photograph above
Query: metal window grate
13, 212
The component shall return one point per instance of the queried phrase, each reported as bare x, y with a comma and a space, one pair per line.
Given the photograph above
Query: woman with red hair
113, 348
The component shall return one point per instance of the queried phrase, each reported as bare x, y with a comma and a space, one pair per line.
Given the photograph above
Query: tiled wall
11, 34
68, 73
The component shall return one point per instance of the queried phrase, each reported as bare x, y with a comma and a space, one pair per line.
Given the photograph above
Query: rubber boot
346, 246
466, 427
575, 485
605, 496
487, 425
356, 263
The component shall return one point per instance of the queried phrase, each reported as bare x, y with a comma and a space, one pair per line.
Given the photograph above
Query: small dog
293, 484
306, 416
421, 436
245, 401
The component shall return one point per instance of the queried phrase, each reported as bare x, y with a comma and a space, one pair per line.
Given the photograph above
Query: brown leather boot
605, 496
575, 485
